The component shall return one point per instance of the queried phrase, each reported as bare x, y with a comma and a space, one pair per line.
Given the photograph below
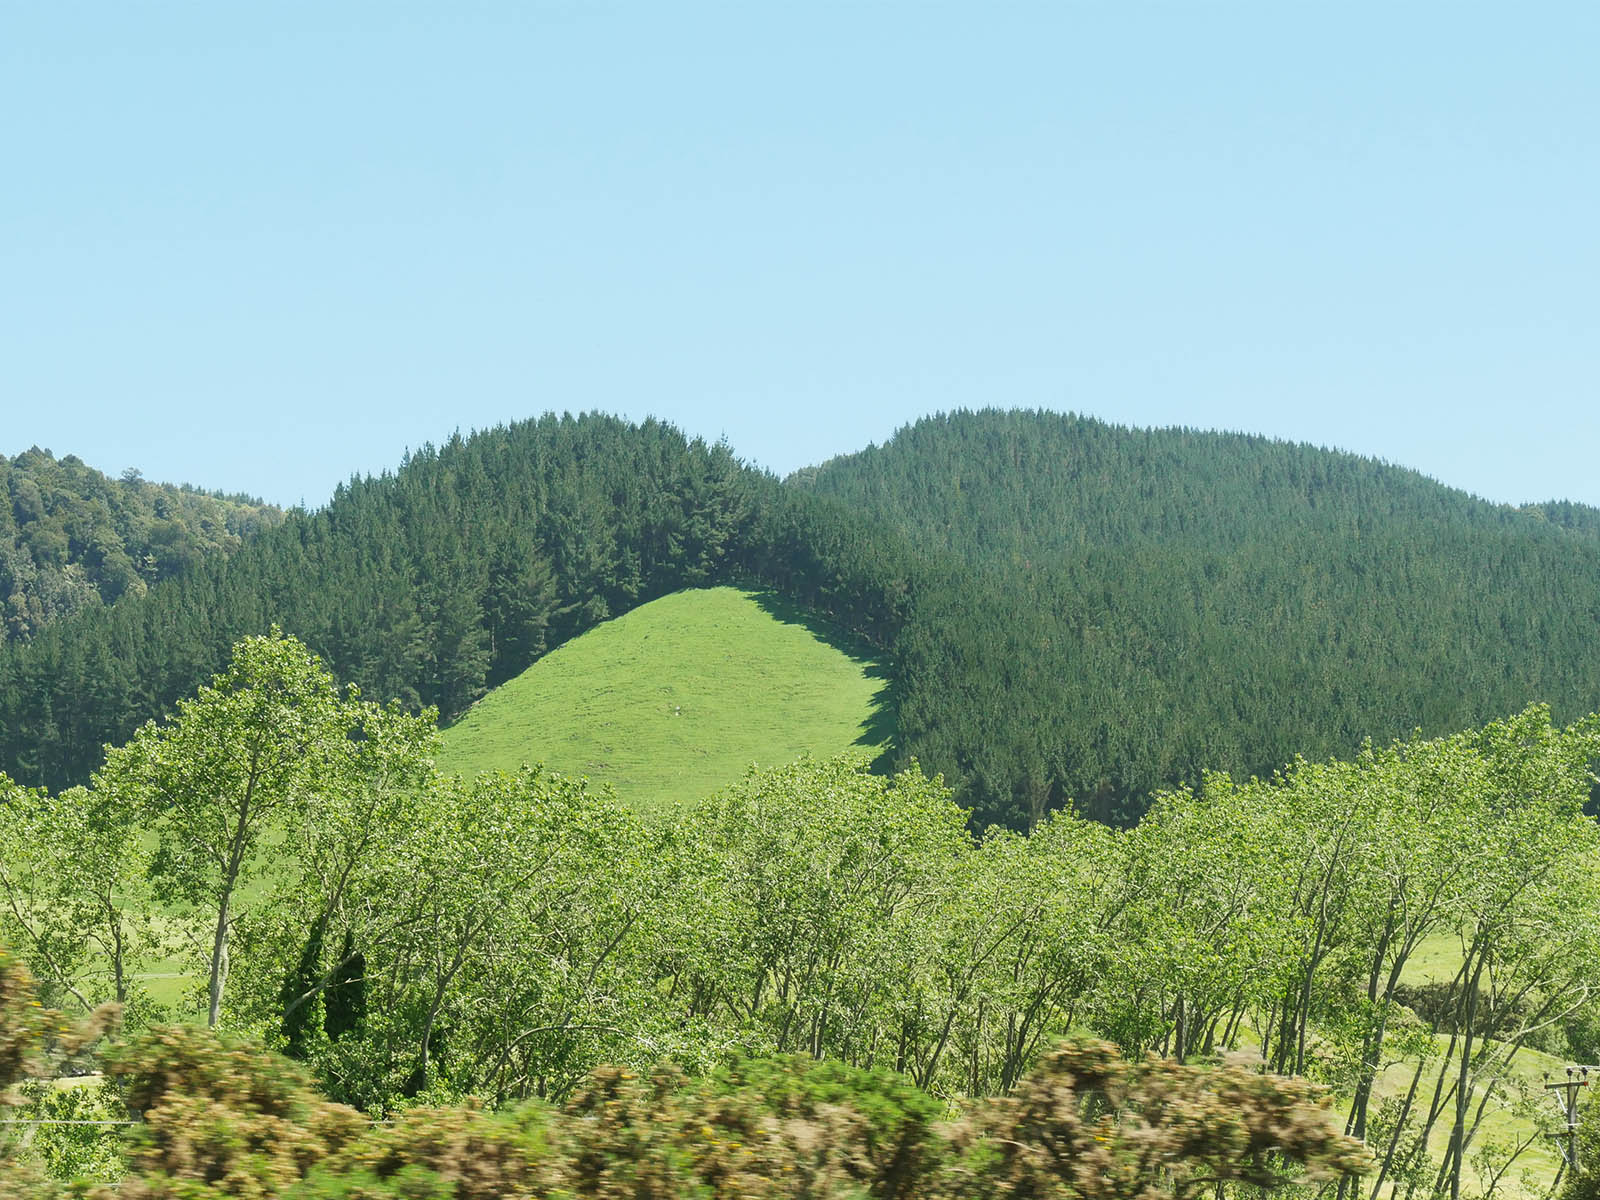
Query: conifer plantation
1070, 612
1140, 606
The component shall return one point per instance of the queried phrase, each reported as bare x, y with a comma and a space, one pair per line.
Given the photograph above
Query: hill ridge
1067, 612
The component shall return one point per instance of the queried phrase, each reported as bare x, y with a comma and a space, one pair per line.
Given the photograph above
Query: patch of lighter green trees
292, 849
72, 539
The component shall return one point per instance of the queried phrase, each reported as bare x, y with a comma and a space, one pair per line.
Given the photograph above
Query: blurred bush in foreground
223, 1119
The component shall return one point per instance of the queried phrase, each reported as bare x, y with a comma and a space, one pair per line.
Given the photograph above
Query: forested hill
1068, 611
1003, 487
71, 538
1159, 602
434, 583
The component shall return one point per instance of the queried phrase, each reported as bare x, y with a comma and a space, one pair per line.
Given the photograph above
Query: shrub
35, 1042
759, 1128
462, 1153
224, 1119
1085, 1123
73, 1149
221, 1118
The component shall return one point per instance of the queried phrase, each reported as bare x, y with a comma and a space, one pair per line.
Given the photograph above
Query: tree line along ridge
1069, 612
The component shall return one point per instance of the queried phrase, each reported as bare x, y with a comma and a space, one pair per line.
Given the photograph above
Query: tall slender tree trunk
235, 863
219, 960
1458, 1129
118, 951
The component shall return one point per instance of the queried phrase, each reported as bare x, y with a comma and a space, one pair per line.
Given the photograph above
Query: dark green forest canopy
71, 538
1069, 610
1151, 603
1580, 519
1002, 488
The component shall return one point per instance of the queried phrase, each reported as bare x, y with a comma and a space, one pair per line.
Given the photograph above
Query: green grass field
678, 698
1437, 960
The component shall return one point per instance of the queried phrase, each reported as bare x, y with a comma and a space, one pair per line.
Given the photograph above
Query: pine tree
299, 995
346, 1001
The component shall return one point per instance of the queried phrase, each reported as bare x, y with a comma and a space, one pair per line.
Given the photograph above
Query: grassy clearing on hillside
1437, 959
679, 698
668, 703
1502, 1123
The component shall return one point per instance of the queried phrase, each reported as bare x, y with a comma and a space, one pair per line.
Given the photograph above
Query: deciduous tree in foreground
269, 750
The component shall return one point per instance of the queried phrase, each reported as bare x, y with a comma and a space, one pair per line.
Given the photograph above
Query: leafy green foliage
25, 1025
494, 963
37, 1042
345, 1001
74, 894
760, 1127
1584, 1183
79, 1135
516, 932
458, 1153
1087, 1124
269, 744
871, 1130
221, 1119
299, 1014
70, 538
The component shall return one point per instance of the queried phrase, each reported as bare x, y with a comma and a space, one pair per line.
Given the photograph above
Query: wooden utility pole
1565, 1093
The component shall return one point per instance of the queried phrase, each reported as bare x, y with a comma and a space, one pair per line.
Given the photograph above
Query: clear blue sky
261, 247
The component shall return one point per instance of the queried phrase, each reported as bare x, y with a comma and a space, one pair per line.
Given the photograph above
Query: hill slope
443, 579
1068, 610
999, 487
677, 698
1149, 604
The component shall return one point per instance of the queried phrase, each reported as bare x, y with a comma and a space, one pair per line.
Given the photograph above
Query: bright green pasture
679, 697
175, 981
668, 703
1435, 960
1500, 1123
